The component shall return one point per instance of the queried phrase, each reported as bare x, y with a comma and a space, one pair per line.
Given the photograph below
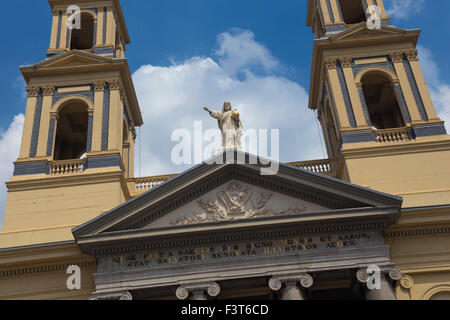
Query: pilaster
28, 122
65, 34
355, 99
45, 121
336, 11
331, 71
115, 117
99, 91
397, 59
54, 34
421, 84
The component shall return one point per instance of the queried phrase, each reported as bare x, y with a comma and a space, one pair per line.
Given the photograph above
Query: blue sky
186, 55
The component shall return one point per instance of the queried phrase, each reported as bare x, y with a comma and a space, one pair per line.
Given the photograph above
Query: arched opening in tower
72, 131
352, 11
382, 104
83, 38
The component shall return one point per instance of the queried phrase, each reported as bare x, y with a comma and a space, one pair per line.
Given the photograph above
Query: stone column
386, 288
290, 288
198, 292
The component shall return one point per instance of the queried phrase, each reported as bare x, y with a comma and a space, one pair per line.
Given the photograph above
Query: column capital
406, 281
393, 272
346, 62
48, 90
330, 63
183, 292
99, 86
33, 91
115, 85
412, 55
396, 56
305, 280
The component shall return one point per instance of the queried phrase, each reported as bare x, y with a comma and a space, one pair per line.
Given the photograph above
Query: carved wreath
233, 204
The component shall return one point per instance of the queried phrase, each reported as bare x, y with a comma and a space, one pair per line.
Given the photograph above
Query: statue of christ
230, 125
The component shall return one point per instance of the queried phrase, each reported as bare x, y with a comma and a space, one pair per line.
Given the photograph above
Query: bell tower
373, 103
80, 124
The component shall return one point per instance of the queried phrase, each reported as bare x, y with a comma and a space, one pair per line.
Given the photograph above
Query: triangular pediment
233, 201
361, 31
72, 58
213, 194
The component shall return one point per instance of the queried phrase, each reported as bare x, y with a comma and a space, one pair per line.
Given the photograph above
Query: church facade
380, 205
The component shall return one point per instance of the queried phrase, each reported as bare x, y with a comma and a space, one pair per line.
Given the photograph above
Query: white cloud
9, 150
239, 51
173, 97
440, 90
404, 9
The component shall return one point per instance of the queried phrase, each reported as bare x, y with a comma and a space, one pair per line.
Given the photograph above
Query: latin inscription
293, 246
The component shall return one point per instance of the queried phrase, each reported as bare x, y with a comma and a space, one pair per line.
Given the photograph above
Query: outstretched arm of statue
214, 114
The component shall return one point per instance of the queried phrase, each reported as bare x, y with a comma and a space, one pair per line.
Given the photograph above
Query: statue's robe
231, 129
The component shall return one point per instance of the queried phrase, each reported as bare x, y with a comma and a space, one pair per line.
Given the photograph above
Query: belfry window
72, 131
382, 104
83, 38
352, 11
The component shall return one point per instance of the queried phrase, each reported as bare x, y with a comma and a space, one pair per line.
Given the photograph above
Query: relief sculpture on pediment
235, 202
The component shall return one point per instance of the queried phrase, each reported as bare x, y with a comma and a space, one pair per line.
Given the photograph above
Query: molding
194, 235
20, 271
408, 232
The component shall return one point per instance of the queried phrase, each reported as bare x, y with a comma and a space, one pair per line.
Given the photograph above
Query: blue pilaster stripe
36, 125
105, 119
51, 136
105, 20
58, 37
348, 103
68, 32
415, 89
366, 7
402, 103
89, 135
340, 12
330, 11
94, 42
364, 106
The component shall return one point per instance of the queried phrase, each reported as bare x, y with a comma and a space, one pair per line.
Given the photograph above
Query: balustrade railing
393, 135
325, 166
66, 167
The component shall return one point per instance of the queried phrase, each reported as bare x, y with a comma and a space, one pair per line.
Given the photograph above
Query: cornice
377, 149
146, 239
